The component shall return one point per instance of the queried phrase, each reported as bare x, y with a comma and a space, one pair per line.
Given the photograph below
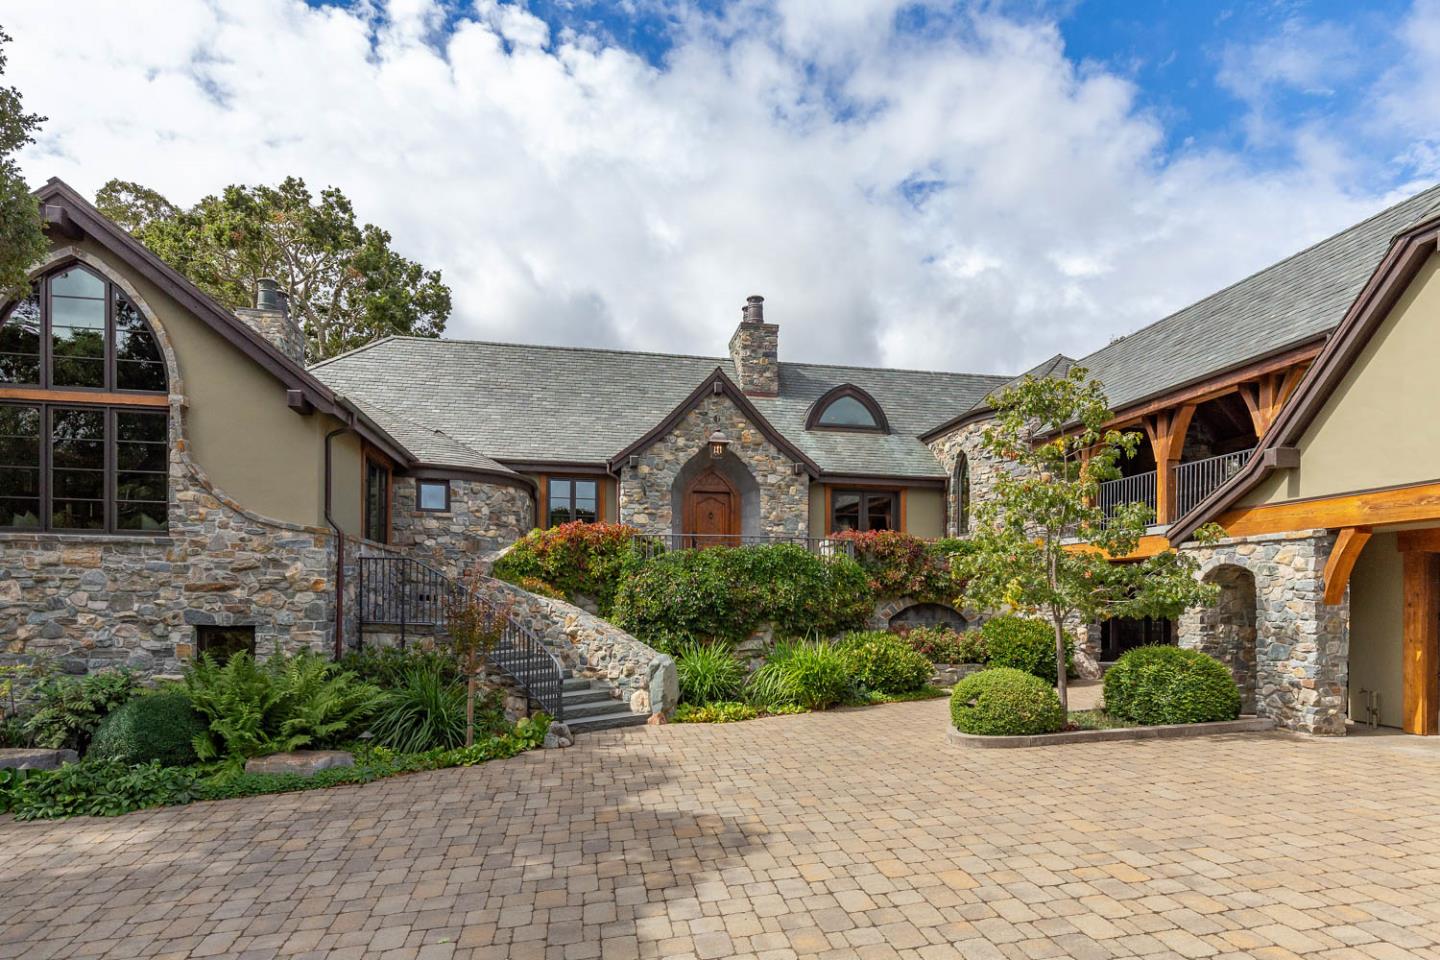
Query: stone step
620, 716
588, 695
575, 683
594, 708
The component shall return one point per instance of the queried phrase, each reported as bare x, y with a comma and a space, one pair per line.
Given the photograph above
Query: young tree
1041, 544
476, 627
22, 236
346, 285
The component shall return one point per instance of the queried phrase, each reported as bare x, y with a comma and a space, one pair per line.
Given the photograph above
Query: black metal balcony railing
1196, 480
404, 593
1115, 494
652, 545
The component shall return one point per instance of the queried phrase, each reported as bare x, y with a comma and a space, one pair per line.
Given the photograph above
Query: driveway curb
1164, 732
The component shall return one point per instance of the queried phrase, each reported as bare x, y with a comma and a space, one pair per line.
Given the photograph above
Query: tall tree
347, 286
1042, 544
22, 236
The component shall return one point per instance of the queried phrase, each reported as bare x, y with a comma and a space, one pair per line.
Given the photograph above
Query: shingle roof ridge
1434, 188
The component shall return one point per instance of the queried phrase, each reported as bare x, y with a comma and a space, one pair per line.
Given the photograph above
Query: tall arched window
84, 426
961, 487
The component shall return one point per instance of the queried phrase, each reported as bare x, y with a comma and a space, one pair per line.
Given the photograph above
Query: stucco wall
1377, 601
1378, 429
925, 512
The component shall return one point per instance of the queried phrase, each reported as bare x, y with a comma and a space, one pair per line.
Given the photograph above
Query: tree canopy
347, 286
22, 236
1041, 542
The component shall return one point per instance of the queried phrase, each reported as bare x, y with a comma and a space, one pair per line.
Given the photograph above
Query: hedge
902, 565
1005, 702
1161, 685
1024, 644
574, 558
885, 662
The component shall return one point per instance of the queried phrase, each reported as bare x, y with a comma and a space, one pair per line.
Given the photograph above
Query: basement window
222, 643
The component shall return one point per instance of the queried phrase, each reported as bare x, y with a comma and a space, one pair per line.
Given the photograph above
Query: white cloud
573, 193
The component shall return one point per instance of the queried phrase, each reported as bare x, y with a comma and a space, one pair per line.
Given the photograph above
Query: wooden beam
1221, 384
1342, 561
38, 395
1166, 430
1418, 541
1421, 643
1149, 546
1412, 504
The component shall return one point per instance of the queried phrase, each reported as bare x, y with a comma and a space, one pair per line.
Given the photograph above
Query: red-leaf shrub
573, 558
903, 565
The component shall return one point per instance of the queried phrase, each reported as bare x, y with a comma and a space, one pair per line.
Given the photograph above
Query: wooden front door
712, 512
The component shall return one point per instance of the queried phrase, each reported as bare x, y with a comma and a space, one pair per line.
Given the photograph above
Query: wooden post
1166, 431
1421, 644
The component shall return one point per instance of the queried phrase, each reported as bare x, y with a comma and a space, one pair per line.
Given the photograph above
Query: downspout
340, 546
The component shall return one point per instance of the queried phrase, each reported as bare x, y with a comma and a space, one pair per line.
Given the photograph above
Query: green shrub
152, 728
390, 667
574, 558
725, 593
1024, 644
425, 711
719, 711
804, 673
70, 708
708, 672
884, 662
902, 565
942, 644
1160, 684
99, 789
1005, 701
284, 704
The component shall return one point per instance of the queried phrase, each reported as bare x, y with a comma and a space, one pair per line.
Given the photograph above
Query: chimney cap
267, 294
754, 309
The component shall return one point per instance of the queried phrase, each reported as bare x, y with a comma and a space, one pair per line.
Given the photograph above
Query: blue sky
962, 186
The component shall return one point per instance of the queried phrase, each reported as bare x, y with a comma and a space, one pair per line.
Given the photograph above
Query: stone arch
735, 472
907, 612
1228, 630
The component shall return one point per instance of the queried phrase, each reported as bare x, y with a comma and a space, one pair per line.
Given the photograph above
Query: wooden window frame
573, 479
897, 499
371, 456
820, 406
419, 500
109, 391
110, 469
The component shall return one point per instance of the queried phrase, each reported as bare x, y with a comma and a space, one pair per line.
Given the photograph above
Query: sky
933, 185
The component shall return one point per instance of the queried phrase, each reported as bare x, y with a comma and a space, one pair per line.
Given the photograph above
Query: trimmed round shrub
1024, 644
1005, 702
708, 673
159, 727
1161, 684
801, 673
884, 662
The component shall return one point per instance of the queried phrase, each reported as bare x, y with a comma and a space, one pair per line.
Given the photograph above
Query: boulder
305, 763
558, 736
35, 759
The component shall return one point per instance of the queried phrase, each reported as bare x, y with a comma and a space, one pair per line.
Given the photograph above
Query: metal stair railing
405, 593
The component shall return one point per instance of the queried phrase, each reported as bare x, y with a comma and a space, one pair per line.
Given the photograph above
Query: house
174, 479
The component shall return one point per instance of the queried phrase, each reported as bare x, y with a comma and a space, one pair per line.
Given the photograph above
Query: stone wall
649, 501
755, 350
484, 518
591, 647
1290, 653
983, 469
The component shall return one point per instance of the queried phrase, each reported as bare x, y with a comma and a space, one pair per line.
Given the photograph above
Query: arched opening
960, 490
928, 615
715, 500
1227, 630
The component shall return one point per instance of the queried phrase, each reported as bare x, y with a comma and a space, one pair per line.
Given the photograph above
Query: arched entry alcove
1227, 630
715, 500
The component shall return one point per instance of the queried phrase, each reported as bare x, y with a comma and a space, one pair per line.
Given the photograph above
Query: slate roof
427, 445
517, 403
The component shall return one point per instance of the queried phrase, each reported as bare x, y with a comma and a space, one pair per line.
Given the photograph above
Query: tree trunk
1061, 681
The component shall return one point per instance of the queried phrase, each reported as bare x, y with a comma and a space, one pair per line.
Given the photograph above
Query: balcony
1190, 483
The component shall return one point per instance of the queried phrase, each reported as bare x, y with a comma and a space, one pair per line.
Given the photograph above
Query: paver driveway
849, 834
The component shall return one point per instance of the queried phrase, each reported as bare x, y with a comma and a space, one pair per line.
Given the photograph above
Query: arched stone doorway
926, 615
715, 501
1227, 632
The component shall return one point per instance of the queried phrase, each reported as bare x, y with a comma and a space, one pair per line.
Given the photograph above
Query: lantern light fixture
718, 443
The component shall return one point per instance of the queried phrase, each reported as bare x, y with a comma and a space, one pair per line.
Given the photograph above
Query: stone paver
847, 834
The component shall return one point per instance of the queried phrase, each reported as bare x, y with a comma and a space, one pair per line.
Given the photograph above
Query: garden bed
1160, 732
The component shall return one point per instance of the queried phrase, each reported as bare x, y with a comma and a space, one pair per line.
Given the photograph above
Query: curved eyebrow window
847, 412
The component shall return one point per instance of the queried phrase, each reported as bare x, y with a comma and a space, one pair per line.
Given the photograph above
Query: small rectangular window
569, 499
377, 501
222, 643
864, 510
433, 496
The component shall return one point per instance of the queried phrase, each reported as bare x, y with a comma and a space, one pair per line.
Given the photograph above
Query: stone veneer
485, 517
984, 467
1291, 651
647, 497
755, 350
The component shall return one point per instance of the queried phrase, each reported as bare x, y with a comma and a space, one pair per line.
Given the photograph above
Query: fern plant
286, 703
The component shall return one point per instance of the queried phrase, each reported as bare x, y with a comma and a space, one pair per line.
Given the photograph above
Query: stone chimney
755, 348
270, 317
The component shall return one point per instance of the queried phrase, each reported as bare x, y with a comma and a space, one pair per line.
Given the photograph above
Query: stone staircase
593, 704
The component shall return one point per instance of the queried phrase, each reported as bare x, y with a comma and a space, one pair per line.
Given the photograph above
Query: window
569, 499
377, 501
83, 468
864, 510
847, 407
222, 643
961, 485
76, 330
432, 496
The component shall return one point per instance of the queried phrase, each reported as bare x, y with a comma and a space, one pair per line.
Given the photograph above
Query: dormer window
847, 407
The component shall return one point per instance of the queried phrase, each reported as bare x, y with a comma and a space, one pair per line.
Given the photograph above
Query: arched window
847, 407
961, 488
84, 427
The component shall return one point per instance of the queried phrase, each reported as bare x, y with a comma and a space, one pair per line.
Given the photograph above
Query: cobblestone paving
848, 834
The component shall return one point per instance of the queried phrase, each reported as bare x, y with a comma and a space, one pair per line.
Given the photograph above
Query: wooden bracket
1266, 396
1342, 561
1166, 431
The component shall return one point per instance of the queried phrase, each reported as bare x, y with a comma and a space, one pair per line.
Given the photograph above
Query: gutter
340, 540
